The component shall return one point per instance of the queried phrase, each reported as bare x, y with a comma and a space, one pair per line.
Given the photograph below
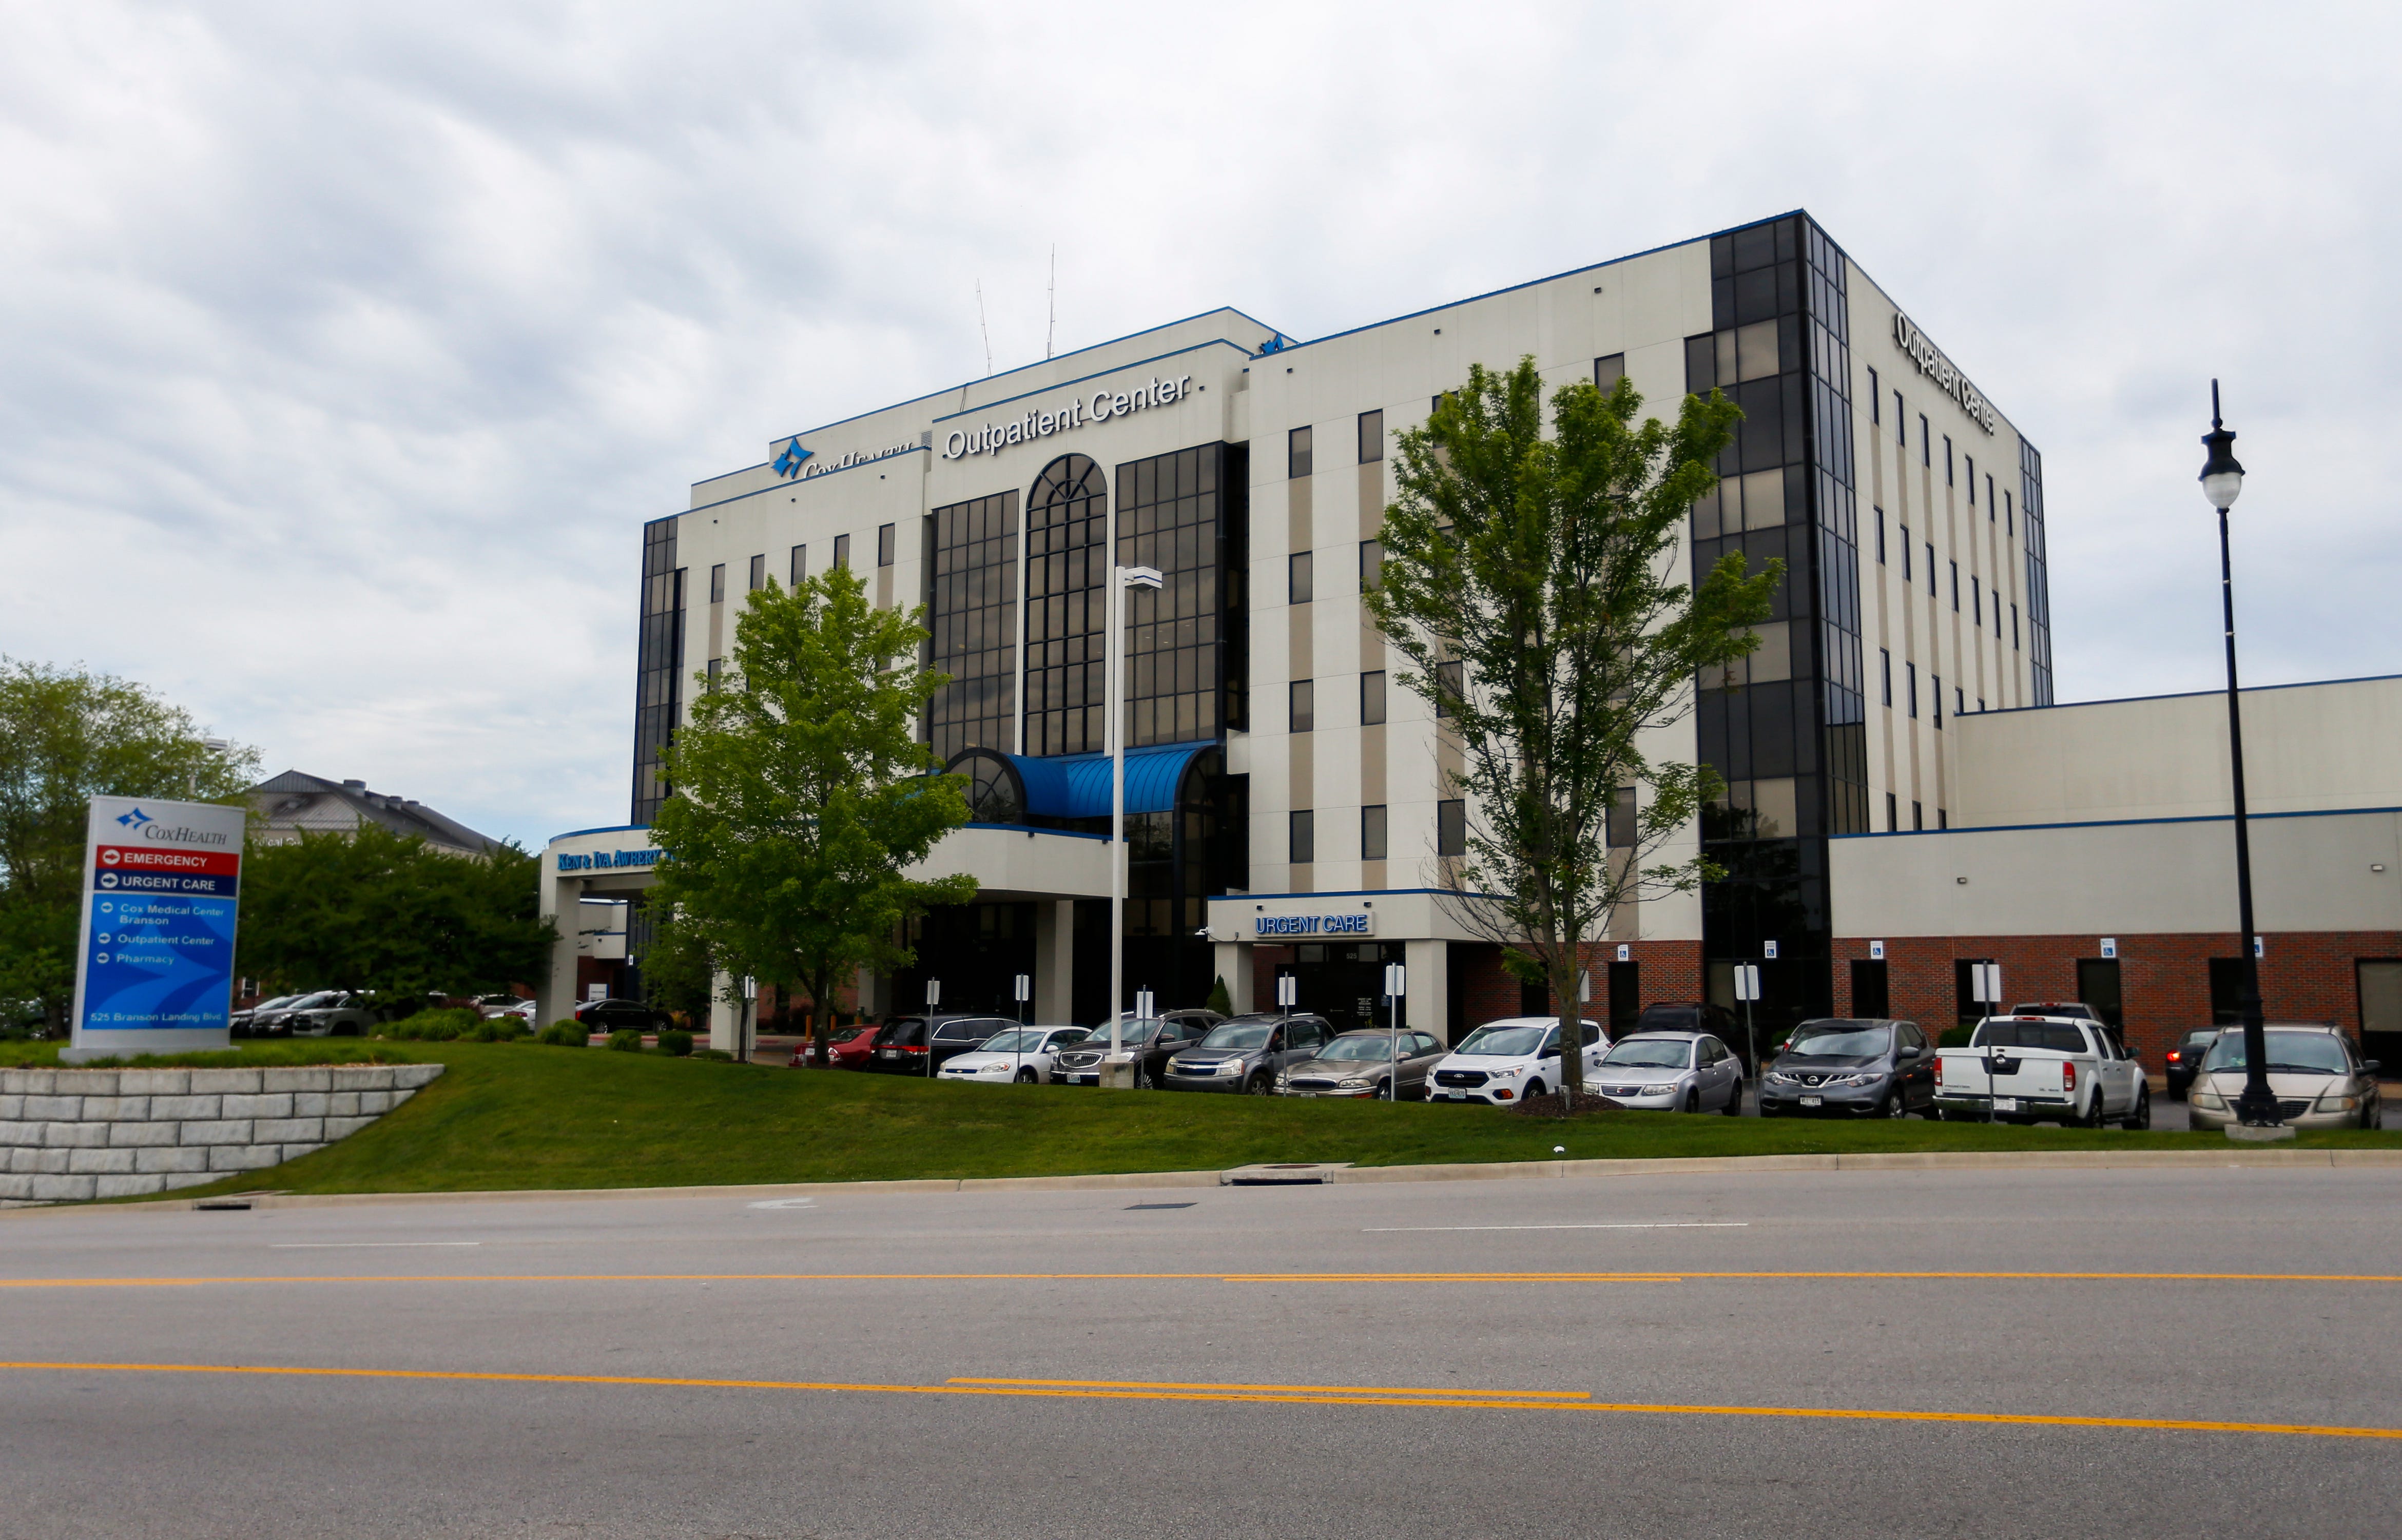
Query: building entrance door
1343, 983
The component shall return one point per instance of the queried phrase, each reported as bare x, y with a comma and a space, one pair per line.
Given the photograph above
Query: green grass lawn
516, 1115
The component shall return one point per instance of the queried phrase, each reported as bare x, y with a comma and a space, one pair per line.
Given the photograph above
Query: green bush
565, 1033
436, 1026
1220, 1000
1956, 1036
675, 1044
626, 1039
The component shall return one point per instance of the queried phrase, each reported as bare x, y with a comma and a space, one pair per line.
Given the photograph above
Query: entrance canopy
1070, 789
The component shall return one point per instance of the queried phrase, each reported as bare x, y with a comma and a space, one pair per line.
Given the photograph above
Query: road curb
2033, 1159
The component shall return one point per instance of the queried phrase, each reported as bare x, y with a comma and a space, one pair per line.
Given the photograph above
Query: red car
848, 1047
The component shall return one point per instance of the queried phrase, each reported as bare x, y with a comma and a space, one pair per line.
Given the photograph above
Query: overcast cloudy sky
347, 347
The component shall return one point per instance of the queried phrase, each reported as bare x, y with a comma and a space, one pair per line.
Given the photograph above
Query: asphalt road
811, 1364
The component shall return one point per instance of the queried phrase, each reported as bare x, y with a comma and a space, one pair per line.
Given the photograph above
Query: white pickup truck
2026, 1069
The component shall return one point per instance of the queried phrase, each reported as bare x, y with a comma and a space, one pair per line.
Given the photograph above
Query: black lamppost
2222, 479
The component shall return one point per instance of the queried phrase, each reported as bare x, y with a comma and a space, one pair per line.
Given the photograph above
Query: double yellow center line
1273, 1394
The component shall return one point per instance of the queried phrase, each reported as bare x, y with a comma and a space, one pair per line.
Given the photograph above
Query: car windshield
2052, 1036
1239, 1035
2292, 1052
1654, 1053
963, 1032
279, 1001
1021, 1039
1508, 1042
1359, 1045
310, 1002
1672, 1016
848, 1034
1841, 1040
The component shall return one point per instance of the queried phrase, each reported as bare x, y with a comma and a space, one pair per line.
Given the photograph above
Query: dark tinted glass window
842, 551
1067, 556
973, 613
884, 544
800, 564
1451, 828
1297, 454
1372, 834
1607, 372
717, 583
1304, 837
1372, 699
1372, 436
1299, 574
758, 573
1304, 704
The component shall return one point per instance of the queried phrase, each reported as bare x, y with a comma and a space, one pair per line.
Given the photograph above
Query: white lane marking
353, 1246
786, 1202
1684, 1224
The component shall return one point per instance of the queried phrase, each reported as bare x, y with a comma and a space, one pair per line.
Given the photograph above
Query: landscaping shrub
565, 1033
626, 1039
1956, 1036
675, 1044
445, 1026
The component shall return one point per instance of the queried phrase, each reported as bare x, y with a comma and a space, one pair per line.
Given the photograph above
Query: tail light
2069, 1076
2176, 1056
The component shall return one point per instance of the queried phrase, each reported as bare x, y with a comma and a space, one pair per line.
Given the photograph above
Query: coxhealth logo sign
793, 461
992, 438
162, 884
1360, 924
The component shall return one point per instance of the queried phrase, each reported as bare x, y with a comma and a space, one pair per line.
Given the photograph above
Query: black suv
901, 1046
1151, 1042
2185, 1060
614, 1015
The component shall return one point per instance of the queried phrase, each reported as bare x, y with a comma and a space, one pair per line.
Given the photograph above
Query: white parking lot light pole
1018, 1057
1747, 989
934, 998
1396, 987
1121, 579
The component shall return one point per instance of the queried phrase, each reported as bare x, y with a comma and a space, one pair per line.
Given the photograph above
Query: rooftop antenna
1052, 326
985, 329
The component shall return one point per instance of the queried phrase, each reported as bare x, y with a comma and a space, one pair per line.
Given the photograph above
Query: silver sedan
2319, 1078
1359, 1064
1671, 1072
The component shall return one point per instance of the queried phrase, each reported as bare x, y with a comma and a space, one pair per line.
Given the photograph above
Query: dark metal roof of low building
306, 804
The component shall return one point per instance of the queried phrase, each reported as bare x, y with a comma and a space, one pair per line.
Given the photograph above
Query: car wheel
1692, 1100
1534, 1088
2141, 1116
1897, 1106
1026, 1076
1734, 1101
2092, 1119
1258, 1085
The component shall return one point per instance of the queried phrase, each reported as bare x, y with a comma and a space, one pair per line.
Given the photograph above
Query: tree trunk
1564, 992
820, 1021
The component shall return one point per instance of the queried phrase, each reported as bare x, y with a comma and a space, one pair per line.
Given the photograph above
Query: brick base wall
1668, 972
2164, 979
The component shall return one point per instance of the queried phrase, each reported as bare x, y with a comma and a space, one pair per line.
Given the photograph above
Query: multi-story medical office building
1286, 796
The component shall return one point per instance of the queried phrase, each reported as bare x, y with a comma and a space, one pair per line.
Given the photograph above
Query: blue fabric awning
1077, 786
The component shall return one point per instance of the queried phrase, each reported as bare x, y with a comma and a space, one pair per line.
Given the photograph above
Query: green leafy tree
67, 736
802, 795
1530, 577
374, 910
677, 970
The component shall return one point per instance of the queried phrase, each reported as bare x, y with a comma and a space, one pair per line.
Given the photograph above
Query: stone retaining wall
67, 1135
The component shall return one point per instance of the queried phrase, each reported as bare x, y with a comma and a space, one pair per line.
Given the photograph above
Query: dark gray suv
1247, 1052
1863, 1067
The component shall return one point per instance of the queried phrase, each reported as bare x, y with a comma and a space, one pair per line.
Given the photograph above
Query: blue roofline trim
2189, 695
1045, 390
1029, 829
1347, 893
2119, 823
966, 384
605, 829
1548, 278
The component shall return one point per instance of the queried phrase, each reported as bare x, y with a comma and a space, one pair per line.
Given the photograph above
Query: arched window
995, 794
1066, 574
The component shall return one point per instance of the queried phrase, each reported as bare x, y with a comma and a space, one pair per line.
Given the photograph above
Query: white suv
1505, 1061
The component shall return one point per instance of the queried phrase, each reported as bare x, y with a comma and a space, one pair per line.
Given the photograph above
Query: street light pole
1121, 579
2222, 479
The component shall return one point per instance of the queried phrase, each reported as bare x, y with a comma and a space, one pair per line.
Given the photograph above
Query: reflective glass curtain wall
2038, 593
1066, 568
658, 665
1171, 516
1790, 741
972, 609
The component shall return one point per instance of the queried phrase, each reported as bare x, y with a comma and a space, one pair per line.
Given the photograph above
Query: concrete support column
724, 1016
1055, 962
1233, 965
561, 901
1428, 1008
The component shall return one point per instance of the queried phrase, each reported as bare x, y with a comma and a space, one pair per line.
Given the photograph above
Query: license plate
1813, 1101
890, 1053
2006, 1104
